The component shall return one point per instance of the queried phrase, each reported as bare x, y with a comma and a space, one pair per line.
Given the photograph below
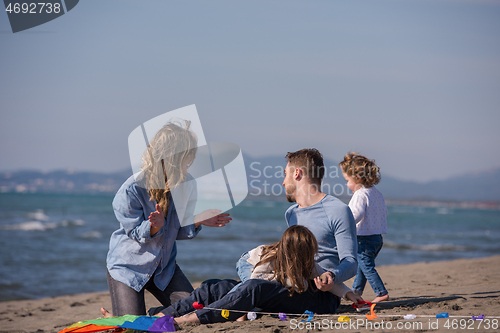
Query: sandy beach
464, 287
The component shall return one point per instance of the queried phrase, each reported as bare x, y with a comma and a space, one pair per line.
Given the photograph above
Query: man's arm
347, 246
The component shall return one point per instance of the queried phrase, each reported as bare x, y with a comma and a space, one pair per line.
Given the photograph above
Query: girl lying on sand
282, 281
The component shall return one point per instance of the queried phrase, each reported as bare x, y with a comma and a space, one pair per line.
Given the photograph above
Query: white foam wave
41, 226
426, 247
38, 215
92, 234
443, 211
67, 223
30, 226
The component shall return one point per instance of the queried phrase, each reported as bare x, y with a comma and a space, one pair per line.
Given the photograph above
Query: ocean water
57, 244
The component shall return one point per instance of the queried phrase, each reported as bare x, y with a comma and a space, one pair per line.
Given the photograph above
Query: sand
463, 287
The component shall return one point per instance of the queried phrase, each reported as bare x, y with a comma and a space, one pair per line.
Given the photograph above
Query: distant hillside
483, 186
265, 178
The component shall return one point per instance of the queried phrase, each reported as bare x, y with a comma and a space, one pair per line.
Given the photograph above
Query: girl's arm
358, 205
254, 255
264, 271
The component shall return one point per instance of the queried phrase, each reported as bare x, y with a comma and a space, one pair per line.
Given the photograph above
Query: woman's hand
324, 282
211, 218
157, 220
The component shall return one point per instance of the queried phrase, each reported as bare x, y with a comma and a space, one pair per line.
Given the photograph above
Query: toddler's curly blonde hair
362, 169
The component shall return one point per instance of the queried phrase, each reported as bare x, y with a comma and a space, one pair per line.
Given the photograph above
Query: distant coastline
446, 204
479, 190
62, 181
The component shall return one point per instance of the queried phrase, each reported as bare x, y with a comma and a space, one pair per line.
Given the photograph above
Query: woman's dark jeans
127, 301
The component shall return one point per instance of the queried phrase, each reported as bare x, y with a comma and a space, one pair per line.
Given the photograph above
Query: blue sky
413, 84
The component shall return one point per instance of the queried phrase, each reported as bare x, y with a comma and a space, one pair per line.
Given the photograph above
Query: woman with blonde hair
143, 250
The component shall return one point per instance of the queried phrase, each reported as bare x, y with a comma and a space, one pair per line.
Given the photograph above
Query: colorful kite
143, 323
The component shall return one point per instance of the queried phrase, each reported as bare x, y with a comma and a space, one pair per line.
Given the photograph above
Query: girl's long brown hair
292, 257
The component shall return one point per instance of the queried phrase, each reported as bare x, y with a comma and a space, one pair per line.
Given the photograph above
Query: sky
411, 84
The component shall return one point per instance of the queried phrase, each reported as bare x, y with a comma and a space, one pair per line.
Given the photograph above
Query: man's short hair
309, 160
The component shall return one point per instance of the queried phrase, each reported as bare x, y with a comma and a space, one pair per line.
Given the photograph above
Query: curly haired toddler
370, 213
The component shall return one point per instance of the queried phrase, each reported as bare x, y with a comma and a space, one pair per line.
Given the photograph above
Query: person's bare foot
106, 313
242, 318
381, 298
190, 318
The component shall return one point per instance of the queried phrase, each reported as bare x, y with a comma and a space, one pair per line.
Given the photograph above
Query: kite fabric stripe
144, 323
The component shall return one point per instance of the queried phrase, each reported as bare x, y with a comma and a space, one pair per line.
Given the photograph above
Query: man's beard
290, 192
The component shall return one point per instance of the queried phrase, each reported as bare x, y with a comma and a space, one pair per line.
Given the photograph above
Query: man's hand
324, 282
211, 218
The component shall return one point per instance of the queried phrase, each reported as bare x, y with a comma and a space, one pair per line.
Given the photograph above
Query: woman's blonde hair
292, 258
362, 169
162, 162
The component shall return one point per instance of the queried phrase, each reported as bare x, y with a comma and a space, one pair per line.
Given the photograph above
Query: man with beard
329, 219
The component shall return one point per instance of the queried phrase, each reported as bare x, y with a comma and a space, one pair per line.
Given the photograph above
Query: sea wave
67, 223
428, 247
38, 215
30, 226
92, 234
41, 226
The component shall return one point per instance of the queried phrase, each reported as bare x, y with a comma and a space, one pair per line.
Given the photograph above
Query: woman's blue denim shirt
134, 256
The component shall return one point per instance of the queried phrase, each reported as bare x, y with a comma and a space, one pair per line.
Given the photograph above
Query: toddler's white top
370, 213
